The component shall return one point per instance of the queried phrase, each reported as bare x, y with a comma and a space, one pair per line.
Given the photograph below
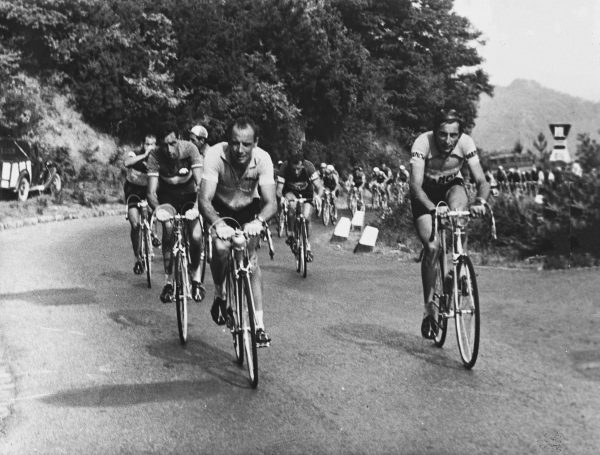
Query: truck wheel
23, 189
55, 186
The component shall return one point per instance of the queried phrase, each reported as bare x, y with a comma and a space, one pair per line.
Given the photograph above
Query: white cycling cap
199, 131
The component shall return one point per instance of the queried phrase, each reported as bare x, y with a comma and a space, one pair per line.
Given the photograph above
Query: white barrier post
358, 220
342, 230
367, 240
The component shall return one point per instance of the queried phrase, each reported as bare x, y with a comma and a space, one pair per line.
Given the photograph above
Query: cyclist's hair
245, 122
149, 136
296, 158
447, 116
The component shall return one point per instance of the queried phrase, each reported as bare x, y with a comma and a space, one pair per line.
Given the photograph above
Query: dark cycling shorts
131, 189
179, 196
435, 193
242, 216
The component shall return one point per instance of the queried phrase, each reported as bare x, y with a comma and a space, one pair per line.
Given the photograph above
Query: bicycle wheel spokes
146, 254
181, 296
467, 313
236, 329
249, 328
441, 297
326, 212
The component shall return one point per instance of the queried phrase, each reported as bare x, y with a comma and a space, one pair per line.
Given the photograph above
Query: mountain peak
525, 108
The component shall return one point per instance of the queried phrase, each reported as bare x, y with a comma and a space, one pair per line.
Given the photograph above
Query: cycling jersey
358, 178
380, 178
330, 181
300, 185
137, 174
234, 192
439, 169
175, 171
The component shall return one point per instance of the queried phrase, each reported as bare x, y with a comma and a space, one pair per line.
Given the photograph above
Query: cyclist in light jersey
436, 159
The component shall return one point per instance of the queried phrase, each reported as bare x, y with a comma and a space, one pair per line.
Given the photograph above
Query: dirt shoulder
41, 210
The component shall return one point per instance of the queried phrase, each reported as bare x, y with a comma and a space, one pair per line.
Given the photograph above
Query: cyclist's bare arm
417, 175
483, 187
197, 174
280, 183
269, 208
151, 191
130, 160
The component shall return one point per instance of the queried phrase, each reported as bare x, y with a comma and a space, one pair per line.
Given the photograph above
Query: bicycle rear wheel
181, 291
234, 301
441, 297
326, 212
467, 312
353, 204
246, 300
146, 254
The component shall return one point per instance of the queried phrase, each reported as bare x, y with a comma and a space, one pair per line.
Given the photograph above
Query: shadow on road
121, 395
214, 361
54, 297
369, 336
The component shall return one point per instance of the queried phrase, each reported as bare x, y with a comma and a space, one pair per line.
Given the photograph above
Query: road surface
90, 361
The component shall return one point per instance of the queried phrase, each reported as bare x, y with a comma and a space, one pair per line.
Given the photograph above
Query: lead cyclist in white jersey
436, 159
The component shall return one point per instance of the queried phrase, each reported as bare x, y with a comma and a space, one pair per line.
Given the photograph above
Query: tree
588, 152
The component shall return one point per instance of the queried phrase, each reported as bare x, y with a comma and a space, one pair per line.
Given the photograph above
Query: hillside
522, 110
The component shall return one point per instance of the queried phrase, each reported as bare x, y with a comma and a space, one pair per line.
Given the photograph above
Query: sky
553, 42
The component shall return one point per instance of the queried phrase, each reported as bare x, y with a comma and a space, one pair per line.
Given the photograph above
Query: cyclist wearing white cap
198, 136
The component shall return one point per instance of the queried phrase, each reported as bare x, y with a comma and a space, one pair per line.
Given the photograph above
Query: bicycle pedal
266, 344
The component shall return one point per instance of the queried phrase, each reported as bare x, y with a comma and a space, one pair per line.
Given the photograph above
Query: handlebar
265, 233
166, 212
436, 217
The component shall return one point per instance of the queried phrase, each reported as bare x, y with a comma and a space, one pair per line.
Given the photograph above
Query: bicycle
241, 312
181, 259
355, 202
456, 294
300, 242
145, 236
329, 209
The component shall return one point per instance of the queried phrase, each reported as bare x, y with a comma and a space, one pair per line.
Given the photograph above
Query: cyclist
322, 169
234, 173
136, 183
198, 137
436, 159
389, 179
377, 184
356, 182
299, 179
174, 173
331, 180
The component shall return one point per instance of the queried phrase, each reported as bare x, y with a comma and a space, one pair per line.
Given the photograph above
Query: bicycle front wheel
304, 242
236, 331
181, 296
467, 312
334, 212
441, 298
147, 254
326, 212
248, 328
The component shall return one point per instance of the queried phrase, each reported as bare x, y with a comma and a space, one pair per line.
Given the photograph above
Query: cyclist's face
447, 136
242, 142
171, 145
149, 143
297, 167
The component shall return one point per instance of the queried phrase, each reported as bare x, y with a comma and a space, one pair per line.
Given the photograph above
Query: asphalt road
90, 361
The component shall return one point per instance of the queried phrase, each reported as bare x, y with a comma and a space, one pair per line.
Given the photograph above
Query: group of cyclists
234, 182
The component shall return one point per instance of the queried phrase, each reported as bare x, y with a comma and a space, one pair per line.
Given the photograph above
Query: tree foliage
346, 80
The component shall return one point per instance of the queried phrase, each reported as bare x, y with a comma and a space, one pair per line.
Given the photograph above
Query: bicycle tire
466, 308
326, 212
304, 233
181, 297
280, 224
204, 239
334, 212
441, 297
249, 328
353, 204
146, 254
236, 330
298, 250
